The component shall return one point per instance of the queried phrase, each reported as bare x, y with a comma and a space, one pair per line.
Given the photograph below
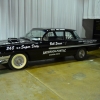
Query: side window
68, 35
49, 36
60, 35
37, 33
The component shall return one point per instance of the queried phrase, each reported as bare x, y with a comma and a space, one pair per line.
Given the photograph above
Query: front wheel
18, 61
81, 54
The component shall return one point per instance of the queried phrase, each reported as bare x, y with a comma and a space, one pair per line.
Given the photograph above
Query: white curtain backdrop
17, 17
91, 9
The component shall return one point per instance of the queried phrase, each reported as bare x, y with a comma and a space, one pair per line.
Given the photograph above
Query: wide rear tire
18, 61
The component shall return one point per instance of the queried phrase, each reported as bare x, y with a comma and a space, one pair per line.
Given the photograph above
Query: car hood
7, 42
4, 42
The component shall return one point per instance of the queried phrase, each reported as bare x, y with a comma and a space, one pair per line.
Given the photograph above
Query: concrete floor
49, 80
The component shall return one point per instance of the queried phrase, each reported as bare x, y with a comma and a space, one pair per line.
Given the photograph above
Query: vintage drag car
41, 44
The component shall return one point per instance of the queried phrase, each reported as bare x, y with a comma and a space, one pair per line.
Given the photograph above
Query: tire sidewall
77, 57
11, 61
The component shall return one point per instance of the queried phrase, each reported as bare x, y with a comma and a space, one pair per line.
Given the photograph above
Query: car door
71, 42
56, 41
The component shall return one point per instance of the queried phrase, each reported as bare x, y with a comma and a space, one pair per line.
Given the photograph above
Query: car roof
45, 29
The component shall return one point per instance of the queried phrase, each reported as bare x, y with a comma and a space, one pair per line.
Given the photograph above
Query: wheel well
86, 48
81, 48
22, 53
27, 55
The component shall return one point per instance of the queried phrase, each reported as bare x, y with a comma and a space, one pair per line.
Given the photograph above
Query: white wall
17, 17
91, 9
79, 17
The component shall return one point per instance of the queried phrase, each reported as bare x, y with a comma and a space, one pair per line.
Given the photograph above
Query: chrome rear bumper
4, 59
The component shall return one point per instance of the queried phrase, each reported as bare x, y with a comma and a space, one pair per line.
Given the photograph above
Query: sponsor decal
10, 48
57, 29
55, 43
54, 51
60, 29
35, 46
72, 46
25, 47
22, 47
55, 54
28, 47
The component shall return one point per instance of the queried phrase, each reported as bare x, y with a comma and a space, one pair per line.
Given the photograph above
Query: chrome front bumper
4, 59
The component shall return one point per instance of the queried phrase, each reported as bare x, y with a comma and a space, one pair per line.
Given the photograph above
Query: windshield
76, 35
35, 34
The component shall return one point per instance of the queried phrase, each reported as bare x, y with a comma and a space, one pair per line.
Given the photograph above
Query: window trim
47, 33
54, 31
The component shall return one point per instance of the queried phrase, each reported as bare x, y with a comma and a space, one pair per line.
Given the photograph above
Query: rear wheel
81, 54
18, 61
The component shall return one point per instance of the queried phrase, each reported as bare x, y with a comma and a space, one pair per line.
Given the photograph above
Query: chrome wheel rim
19, 61
81, 53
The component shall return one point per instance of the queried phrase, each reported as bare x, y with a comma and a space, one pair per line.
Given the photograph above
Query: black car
42, 43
